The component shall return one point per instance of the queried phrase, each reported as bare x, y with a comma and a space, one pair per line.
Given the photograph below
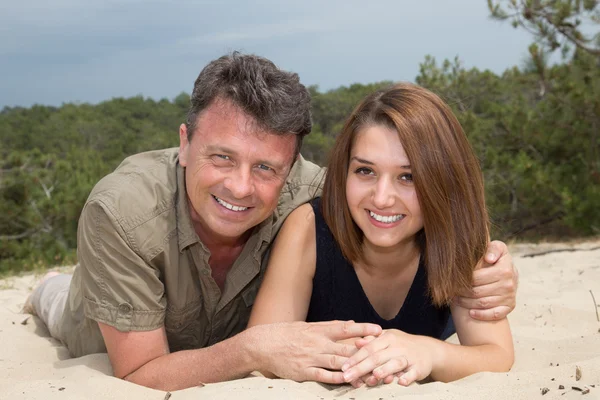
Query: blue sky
63, 51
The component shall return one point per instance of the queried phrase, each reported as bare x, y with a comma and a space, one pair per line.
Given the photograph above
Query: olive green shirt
142, 265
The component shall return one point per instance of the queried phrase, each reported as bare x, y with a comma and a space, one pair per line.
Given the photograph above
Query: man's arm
143, 358
495, 282
295, 350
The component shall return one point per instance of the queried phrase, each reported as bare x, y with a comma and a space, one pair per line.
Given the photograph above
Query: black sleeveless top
338, 295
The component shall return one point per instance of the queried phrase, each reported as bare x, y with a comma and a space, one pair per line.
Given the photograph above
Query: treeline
536, 130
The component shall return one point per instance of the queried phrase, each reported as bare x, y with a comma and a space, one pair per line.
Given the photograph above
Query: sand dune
555, 328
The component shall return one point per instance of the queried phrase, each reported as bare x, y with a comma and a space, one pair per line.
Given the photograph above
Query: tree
556, 24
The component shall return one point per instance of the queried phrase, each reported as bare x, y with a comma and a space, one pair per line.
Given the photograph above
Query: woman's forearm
452, 362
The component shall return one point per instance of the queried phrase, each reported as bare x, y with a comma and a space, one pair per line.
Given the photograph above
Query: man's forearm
230, 359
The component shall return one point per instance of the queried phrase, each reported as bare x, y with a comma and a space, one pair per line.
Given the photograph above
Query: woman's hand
393, 353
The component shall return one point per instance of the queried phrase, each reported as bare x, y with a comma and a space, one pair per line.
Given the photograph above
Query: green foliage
52, 157
331, 108
536, 131
537, 135
556, 24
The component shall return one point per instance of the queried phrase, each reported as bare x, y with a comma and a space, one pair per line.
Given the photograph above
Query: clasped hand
392, 354
304, 351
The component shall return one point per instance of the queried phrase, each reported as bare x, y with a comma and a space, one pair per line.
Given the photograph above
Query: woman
399, 228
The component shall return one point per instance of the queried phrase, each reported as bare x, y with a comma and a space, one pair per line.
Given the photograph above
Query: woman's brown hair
447, 179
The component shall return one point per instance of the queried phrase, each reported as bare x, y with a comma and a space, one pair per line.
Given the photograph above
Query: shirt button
125, 308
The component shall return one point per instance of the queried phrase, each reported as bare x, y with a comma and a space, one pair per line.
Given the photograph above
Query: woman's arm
485, 346
286, 289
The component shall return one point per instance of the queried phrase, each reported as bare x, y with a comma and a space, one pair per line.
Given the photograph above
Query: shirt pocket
186, 327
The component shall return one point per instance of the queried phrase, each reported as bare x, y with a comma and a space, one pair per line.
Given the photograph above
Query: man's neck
223, 253
219, 244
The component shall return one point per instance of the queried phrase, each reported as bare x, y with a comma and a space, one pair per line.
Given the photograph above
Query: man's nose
240, 183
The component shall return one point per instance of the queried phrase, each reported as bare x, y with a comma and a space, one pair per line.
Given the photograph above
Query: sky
81, 51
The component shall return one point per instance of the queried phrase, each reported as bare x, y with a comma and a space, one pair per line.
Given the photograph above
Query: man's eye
264, 167
364, 171
221, 159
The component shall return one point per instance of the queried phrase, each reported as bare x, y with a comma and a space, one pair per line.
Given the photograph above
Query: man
171, 243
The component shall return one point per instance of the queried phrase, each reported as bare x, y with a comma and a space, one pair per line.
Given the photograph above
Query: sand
555, 330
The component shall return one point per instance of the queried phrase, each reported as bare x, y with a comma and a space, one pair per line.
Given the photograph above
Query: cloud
67, 50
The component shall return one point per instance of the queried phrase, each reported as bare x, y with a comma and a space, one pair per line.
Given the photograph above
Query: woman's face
380, 191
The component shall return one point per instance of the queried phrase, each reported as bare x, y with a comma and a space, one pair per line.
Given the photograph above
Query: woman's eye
406, 177
364, 171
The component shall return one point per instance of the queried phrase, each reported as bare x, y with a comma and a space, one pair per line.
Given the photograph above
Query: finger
366, 366
371, 348
391, 367
341, 349
362, 342
498, 288
330, 361
484, 303
408, 377
486, 276
365, 378
372, 381
350, 329
329, 323
357, 383
324, 376
495, 250
389, 379
492, 314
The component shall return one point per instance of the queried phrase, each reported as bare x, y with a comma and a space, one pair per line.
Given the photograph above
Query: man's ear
184, 145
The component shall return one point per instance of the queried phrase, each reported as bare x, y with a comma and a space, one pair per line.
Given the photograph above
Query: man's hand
495, 281
304, 351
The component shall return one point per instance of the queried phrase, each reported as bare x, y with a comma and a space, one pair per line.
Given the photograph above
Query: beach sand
555, 331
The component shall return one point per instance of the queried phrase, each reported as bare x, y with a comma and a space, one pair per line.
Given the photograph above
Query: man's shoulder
142, 185
304, 183
304, 174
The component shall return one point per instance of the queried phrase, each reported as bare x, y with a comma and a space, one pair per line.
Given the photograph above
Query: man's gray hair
274, 98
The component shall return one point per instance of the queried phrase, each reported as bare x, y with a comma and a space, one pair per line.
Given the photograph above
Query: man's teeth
229, 206
386, 220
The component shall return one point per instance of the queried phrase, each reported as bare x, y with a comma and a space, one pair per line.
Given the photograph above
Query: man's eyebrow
367, 162
219, 149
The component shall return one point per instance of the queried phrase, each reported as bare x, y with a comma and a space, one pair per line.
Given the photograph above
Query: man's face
234, 172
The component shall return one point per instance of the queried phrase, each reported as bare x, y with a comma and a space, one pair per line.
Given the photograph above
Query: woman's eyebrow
363, 161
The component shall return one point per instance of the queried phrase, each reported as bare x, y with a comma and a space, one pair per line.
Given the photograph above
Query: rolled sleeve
119, 287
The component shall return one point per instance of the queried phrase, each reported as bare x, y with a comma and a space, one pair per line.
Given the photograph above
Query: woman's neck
390, 261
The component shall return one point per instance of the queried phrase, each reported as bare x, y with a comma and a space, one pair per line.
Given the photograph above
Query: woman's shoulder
303, 214
299, 226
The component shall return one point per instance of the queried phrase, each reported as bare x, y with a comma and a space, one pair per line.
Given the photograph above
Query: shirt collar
185, 227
